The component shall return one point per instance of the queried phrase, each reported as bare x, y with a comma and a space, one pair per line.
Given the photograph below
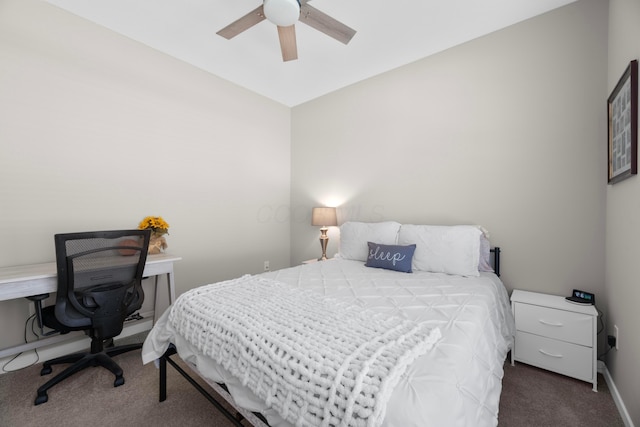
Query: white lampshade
283, 13
324, 217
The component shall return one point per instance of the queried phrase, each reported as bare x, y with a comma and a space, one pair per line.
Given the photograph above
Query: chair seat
50, 320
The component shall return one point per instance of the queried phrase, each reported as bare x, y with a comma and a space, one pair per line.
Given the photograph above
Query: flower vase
157, 243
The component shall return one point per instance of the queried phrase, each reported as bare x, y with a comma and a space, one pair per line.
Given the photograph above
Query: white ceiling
389, 34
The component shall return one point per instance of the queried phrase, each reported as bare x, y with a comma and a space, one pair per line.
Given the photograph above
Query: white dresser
554, 334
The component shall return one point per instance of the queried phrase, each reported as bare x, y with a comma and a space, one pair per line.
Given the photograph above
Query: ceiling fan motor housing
283, 13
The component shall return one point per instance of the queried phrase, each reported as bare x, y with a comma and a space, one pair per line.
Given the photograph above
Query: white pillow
355, 235
485, 254
443, 249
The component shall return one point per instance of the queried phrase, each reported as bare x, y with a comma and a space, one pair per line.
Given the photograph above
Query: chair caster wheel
118, 382
45, 371
42, 398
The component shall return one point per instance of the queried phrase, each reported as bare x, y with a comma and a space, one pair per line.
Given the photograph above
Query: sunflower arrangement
157, 225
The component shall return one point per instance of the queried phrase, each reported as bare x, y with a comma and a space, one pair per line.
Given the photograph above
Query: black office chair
99, 285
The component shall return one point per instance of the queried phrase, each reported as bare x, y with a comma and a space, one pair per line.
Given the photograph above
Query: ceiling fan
284, 14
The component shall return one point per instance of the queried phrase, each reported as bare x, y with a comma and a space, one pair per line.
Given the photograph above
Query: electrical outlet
266, 266
616, 333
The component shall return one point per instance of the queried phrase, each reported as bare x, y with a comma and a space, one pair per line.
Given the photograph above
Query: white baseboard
626, 418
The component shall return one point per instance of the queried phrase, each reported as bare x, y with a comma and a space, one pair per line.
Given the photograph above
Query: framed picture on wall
622, 107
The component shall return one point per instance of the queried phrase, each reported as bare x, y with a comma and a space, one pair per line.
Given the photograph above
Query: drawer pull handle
544, 322
559, 356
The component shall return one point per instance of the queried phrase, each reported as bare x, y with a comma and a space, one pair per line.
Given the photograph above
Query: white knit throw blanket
316, 361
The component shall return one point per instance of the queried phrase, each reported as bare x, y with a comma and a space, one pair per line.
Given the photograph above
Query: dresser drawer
562, 325
558, 356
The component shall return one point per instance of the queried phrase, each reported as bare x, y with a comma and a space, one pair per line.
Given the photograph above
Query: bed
437, 280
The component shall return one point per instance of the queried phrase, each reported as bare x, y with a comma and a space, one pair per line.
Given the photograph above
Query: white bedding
457, 383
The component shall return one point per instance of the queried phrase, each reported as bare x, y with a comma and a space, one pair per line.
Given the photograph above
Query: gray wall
505, 131
623, 226
97, 132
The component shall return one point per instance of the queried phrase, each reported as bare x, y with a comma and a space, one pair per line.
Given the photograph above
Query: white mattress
457, 383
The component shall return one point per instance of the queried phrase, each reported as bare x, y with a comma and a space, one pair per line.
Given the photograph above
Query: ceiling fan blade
242, 24
288, 44
326, 24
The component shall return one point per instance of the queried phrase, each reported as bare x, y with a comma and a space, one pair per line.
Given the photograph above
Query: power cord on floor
31, 318
38, 335
600, 357
600, 319
600, 330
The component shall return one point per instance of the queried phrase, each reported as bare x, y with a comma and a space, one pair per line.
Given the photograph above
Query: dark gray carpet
535, 397
530, 397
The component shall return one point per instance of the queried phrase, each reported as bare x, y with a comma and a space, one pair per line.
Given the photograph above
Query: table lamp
325, 218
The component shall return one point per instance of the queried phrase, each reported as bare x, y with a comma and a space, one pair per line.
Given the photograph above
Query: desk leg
171, 287
158, 306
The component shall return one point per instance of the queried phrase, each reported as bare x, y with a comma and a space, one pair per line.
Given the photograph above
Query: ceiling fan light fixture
283, 13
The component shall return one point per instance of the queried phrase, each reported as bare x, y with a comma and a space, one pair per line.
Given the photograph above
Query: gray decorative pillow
390, 257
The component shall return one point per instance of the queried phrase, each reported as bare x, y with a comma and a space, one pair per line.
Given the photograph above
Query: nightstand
555, 334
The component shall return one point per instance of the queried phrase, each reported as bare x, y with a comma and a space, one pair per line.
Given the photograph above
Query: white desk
35, 279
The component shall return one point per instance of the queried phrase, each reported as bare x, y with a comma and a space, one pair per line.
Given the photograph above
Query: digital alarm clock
582, 297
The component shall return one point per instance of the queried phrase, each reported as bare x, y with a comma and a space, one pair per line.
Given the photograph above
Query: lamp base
324, 239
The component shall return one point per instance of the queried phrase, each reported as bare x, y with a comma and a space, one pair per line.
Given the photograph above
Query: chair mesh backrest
99, 278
